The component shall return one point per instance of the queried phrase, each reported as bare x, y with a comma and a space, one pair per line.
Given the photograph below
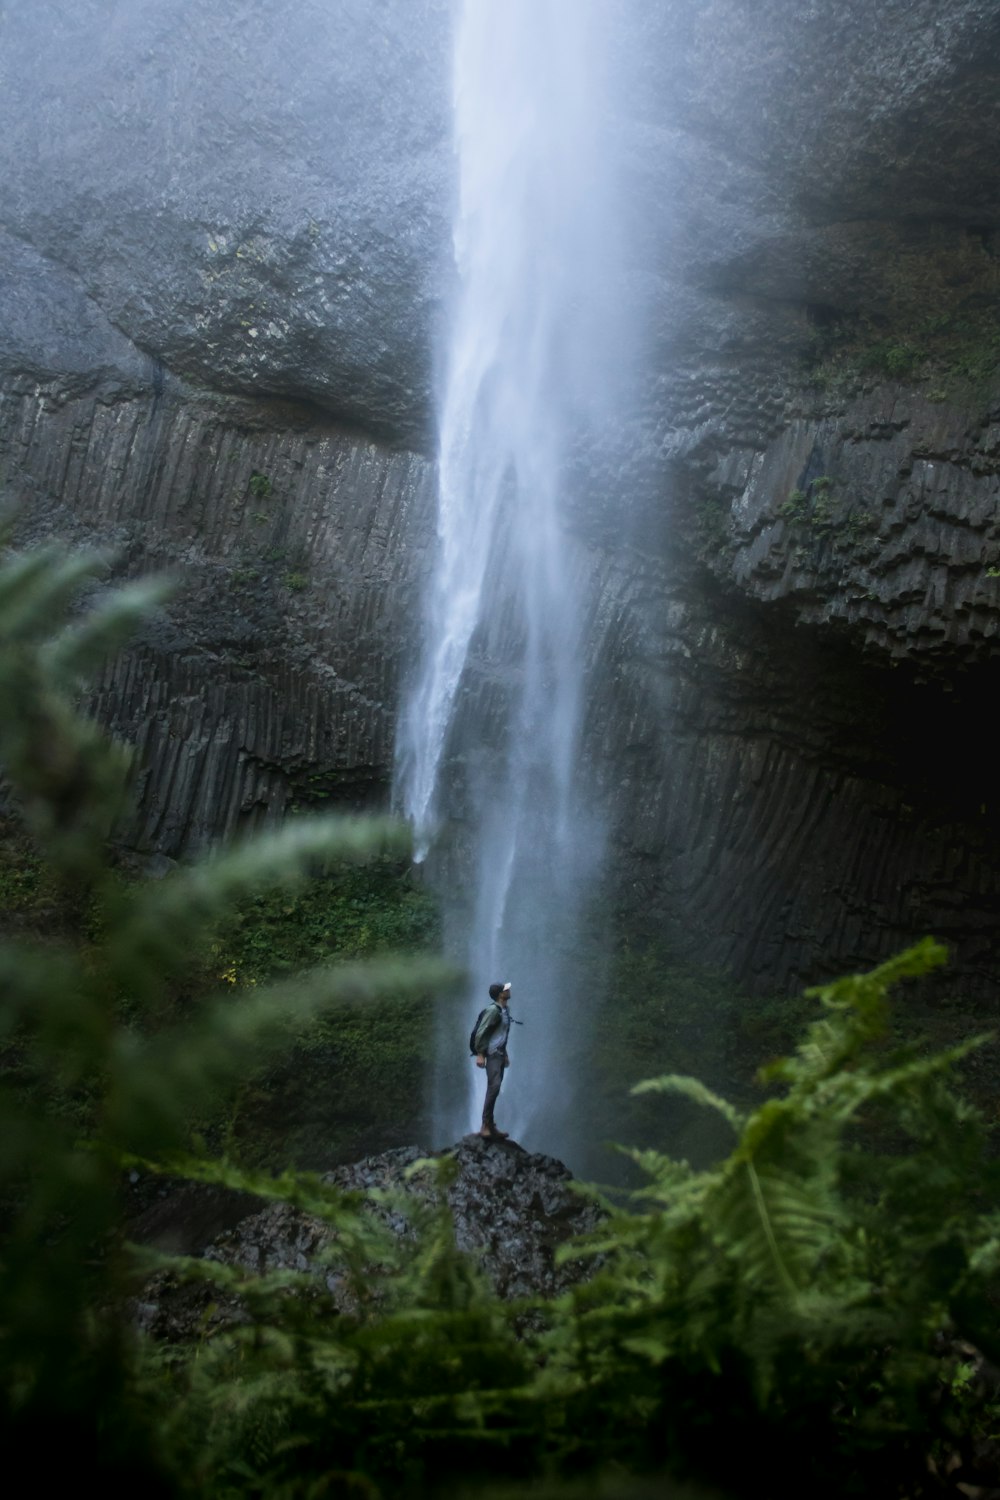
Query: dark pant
494, 1078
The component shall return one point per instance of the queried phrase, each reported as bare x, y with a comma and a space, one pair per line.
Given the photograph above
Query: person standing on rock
491, 1038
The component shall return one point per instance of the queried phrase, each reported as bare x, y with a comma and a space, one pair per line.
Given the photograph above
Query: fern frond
305, 1191
859, 992
70, 778
155, 1077
84, 645
693, 1089
235, 1279
841, 1097
646, 1158
37, 588
775, 1224
859, 1007
171, 917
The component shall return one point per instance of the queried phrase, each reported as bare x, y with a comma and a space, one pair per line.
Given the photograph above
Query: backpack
486, 1024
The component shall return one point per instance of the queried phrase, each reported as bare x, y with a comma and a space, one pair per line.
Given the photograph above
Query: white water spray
497, 702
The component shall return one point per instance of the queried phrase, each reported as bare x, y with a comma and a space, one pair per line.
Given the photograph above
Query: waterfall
488, 747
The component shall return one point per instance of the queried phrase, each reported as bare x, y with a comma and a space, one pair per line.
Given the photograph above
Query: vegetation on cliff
812, 1313
950, 352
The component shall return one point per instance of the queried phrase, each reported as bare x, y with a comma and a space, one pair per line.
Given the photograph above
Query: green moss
821, 516
794, 508
955, 352
327, 1100
354, 1081
812, 507
242, 577
24, 885
712, 523
347, 915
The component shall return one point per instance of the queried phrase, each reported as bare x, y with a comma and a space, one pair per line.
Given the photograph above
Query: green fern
122, 1087
812, 1255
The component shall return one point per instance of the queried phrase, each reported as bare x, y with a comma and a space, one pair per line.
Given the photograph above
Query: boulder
511, 1210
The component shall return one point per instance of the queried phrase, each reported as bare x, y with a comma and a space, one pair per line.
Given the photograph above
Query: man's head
500, 992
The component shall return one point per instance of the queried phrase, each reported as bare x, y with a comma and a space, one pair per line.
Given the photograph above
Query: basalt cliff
225, 248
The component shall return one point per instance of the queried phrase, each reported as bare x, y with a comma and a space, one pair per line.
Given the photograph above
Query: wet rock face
511, 1210
784, 805
224, 247
880, 520
261, 198
254, 196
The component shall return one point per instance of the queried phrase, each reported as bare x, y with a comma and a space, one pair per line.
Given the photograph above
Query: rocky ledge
511, 1210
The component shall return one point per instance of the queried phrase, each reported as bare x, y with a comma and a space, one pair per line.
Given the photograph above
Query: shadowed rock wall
780, 806
295, 546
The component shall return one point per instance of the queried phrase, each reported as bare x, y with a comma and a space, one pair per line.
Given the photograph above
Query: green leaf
37, 588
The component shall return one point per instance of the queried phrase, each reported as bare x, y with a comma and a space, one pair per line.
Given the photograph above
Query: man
493, 1057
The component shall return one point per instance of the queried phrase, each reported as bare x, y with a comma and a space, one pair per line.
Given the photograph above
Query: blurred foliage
89, 1012
324, 1100
419, 1379
811, 1311
791, 1302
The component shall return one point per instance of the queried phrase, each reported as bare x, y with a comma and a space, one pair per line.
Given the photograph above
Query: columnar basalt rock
881, 520
784, 805
224, 254
295, 547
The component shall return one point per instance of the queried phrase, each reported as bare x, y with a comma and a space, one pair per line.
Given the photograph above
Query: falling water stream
492, 721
